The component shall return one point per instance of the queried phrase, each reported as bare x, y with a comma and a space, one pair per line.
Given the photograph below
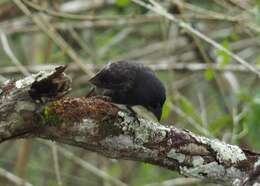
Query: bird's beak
93, 80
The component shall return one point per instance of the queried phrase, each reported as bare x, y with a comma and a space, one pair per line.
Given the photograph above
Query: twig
160, 10
11, 55
164, 65
177, 182
64, 15
116, 39
56, 163
50, 31
195, 124
209, 13
88, 166
13, 178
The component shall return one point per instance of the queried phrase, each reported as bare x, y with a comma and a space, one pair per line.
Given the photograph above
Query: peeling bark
34, 107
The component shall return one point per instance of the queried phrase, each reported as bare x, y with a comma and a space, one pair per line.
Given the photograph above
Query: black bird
131, 83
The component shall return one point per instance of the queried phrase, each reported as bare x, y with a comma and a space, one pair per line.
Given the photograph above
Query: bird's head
156, 109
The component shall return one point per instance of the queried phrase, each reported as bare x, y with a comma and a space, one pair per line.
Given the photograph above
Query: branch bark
36, 107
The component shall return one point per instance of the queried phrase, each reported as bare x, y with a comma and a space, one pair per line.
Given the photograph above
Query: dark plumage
131, 83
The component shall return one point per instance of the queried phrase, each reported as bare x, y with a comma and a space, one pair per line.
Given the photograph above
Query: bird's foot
133, 114
93, 93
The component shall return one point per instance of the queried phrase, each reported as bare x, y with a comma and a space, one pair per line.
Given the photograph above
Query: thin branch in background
82, 5
64, 15
115, 40
69, 155
162, 65
157, 8
13, 178
203, 54
210, 13
18, 26
50, 172
15, 26
24, 146
237, 118
196, 125
203, 110
44, 25
56, 163
177, 182
23, 157
11, 55
81, 42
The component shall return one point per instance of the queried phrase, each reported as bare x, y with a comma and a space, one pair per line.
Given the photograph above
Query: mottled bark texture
36, 107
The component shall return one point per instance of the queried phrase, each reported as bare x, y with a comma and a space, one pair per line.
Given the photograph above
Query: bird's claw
133, 114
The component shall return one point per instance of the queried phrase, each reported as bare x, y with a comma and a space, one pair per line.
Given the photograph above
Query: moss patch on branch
71, 110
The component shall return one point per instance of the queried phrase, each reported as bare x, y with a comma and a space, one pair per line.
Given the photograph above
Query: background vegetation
209, 92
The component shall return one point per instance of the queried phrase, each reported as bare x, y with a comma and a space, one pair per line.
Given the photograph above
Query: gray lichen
211, 170
175, 155
197, 160
22, 83
115, 144
257, 163
236, 182
225, 153
145, 131
27, 81
3, 129
233, 172
14, 121
88, 126
25, 105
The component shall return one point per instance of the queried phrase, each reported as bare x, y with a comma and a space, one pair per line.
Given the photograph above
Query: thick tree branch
34, 107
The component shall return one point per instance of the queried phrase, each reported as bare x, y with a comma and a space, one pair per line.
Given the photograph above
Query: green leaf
253, 121
234, 37
219, 124
258, 60
225, 58
122, 3
209, 74
166, 109
258, 12
148, 173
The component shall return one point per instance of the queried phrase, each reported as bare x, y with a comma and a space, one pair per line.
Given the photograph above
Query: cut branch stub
19, 108
54, 86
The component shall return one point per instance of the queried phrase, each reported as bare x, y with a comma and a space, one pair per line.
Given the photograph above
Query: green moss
51, 117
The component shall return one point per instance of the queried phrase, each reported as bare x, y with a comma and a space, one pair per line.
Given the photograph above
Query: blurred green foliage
253, 121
